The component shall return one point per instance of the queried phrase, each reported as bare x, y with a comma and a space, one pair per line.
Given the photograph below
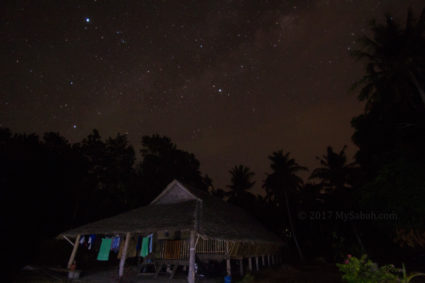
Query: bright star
87, 20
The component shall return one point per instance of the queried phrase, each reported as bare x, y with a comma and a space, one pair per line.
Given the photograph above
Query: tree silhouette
163, 161
282, 183
390, 132
395, 70
218, 193
335, 173
393, 90
240, 182
336, 178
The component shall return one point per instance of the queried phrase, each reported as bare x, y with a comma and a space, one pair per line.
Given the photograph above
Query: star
87, 20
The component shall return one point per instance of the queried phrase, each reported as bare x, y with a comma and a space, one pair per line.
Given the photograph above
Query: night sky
230, 81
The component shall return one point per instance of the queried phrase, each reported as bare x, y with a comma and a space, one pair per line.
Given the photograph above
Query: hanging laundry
150, 242
139, 243
145, 247
90, 241
116, 244
105, 248
82, 240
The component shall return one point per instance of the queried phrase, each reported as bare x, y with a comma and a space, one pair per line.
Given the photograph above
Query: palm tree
240, 182
335, 173
282, 183
395, 70
335, 177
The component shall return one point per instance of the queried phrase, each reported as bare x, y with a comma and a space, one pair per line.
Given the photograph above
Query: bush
363, 270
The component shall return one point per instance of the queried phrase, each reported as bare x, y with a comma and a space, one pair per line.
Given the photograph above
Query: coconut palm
283, 182
335, 173
335, 177
395, 70
240, 181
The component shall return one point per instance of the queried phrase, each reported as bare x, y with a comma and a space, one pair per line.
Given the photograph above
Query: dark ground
285, 273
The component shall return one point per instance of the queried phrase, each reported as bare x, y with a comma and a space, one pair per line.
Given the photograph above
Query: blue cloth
115, 247
150, 242
139, 243
90, 241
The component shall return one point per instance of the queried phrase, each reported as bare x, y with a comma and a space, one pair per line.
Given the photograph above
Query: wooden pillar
257, 265
250, 263
263, 260
268, 260
191, 273
124, 255
228, 267
74, 251
273, 260
241, 266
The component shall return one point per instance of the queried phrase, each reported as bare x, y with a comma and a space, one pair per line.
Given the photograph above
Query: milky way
230, 81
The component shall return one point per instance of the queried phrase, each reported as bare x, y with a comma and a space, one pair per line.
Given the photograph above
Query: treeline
374, 205
49, 185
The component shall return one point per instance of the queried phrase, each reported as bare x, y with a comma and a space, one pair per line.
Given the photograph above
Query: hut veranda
179, 225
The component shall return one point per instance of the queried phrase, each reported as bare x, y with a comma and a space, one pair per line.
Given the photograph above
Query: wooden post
273, 260
124, 255
228, 267
74, 251
250, 264
241, 266
257, 265
191, 273
263, 260
268, 260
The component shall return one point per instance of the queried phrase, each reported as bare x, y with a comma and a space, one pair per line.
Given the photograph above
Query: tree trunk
359, 241
292, 227
418, 87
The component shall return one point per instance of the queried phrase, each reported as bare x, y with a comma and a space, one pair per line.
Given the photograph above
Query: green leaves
363, 270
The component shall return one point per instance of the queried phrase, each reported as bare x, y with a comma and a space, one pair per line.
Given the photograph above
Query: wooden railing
179, 249
210, 247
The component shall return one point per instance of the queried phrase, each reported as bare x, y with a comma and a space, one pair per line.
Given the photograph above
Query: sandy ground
130, 276
44, 275
305, 273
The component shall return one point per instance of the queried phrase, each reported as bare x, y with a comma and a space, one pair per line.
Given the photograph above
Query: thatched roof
180, 207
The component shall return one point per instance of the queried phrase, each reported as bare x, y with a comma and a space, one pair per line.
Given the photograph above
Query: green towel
105, 248
145, 247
